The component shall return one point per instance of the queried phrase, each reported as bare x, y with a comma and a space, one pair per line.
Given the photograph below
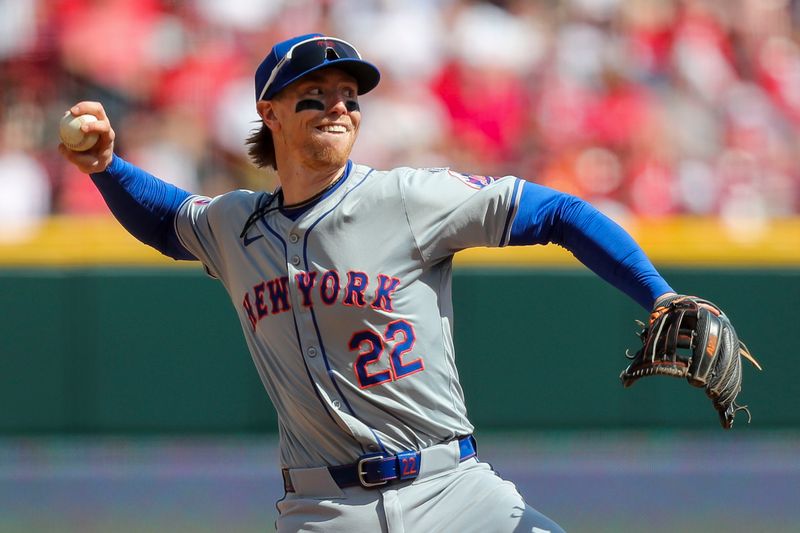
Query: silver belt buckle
360, 470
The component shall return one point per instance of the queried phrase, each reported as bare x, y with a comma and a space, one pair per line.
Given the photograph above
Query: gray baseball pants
448, 496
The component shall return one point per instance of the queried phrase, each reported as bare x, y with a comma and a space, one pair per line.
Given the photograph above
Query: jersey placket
310, 338
310, 343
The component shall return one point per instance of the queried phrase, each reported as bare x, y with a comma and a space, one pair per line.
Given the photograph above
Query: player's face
318, 118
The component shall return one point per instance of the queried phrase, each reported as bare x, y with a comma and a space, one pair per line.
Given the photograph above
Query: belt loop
288, 486
468, 447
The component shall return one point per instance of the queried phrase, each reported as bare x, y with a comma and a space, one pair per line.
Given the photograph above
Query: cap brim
366, 74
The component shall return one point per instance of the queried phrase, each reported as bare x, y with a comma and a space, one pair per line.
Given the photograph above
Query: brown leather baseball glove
690, 337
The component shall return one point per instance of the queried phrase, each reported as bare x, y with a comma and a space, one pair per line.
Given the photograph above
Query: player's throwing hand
97, 158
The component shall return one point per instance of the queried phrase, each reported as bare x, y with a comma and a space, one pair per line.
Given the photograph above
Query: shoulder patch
473, 180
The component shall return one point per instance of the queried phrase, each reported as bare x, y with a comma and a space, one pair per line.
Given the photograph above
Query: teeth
333, 129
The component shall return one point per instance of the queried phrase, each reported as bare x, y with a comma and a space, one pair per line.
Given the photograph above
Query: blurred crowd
643, 107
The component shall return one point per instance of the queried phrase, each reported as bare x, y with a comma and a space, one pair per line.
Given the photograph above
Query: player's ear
266, 111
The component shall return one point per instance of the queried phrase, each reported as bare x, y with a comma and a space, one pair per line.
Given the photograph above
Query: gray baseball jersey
347, 309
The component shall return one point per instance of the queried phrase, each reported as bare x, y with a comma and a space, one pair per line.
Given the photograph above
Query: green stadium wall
159, 351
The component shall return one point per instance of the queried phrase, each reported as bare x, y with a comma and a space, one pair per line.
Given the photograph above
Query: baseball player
341, 279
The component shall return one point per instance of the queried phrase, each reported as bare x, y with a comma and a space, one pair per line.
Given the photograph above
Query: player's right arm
145, 205
98, 157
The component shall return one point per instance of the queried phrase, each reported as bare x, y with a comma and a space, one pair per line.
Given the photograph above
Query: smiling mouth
332, 128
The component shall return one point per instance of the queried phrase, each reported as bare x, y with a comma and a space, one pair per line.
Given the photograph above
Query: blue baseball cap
290, 60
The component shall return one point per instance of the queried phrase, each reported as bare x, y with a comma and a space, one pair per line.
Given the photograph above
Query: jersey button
336, 404
312, 352
296, 260
293, 238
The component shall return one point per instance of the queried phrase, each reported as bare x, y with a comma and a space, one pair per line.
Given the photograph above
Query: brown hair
261, 148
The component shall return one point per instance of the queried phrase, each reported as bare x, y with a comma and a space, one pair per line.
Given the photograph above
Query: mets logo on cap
473, 180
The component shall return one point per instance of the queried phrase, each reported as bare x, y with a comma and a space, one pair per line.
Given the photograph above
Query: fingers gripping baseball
97, 157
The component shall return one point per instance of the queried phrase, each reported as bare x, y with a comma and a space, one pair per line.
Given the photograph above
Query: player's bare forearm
97, 158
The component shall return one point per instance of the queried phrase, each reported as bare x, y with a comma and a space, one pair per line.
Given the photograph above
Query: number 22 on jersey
398, 339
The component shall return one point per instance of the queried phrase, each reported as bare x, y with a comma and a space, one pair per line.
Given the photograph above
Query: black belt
378, 469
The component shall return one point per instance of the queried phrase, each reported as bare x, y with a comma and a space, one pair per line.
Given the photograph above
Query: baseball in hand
71, 135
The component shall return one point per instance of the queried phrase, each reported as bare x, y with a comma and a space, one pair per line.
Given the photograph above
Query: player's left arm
685, 337
545, 215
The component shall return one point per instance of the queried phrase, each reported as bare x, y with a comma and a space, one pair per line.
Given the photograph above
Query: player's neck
299, 183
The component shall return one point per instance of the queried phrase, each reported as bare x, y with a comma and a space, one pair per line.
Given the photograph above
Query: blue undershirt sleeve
549, 216
144, 205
